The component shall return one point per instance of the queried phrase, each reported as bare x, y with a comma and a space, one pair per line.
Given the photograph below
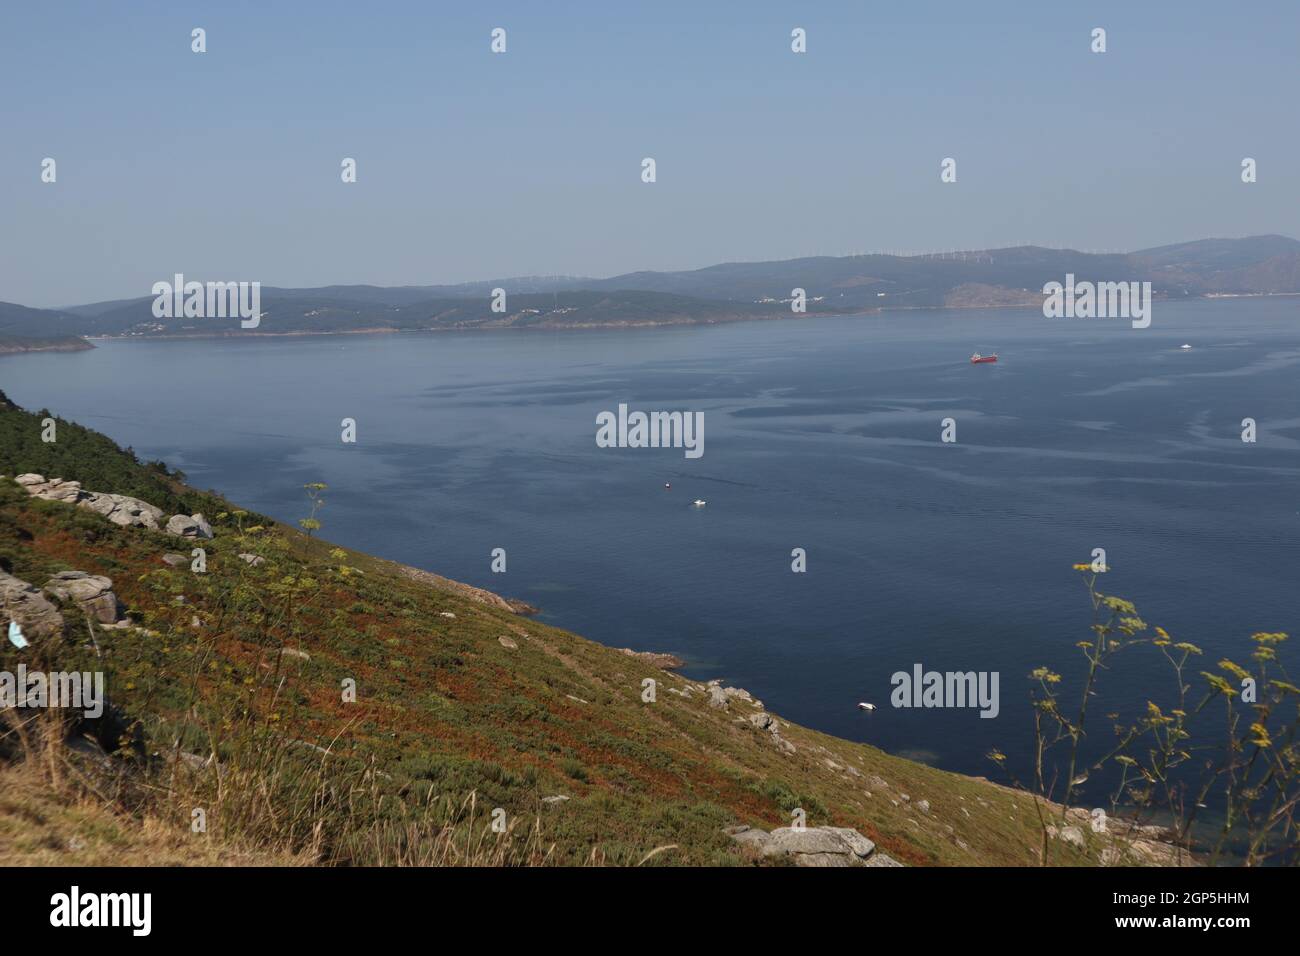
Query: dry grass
51, 815
265, 805
60, 807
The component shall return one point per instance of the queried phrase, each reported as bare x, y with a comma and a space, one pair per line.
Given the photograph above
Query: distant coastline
642, 324
17, 345
1252, 267
22, 346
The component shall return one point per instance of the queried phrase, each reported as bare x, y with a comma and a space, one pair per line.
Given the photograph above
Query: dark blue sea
821, 434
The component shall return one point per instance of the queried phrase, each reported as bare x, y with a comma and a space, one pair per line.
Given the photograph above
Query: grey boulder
189, 526
812, 846
120, 509
123, 510
34, 613
93, 593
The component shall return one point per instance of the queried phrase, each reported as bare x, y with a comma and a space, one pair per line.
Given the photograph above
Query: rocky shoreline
481, 595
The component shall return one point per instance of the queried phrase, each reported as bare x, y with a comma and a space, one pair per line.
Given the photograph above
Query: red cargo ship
978, 359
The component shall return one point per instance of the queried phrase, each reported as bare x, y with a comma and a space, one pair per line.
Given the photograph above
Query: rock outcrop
189, 526
665, 662
464, 590
23, 603
882, 859
120, 509
93, 593
1122, 842
765, 721
813, 846
56, 489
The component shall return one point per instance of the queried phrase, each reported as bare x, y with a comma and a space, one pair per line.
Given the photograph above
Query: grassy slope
444, 708
45, 825
80, 454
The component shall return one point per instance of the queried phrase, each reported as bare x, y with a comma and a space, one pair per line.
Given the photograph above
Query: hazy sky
226, 165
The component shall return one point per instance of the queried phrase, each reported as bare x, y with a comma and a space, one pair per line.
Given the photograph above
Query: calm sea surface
820, 434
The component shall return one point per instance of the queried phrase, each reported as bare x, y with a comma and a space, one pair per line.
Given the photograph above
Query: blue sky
471, 165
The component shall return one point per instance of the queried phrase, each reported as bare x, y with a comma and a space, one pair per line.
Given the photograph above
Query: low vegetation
80, 454
1213, 755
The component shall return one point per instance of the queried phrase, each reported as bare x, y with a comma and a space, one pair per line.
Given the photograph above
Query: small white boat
668, 484
866, 706
1184, 346
700, 502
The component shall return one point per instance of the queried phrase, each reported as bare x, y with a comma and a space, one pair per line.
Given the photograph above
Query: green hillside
79, 454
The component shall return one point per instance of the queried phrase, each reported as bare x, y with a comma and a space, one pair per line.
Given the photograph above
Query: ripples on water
821, 434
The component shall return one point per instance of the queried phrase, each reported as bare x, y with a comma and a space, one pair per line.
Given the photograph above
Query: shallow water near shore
821, 434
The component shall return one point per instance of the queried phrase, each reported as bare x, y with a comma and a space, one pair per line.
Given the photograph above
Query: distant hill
304, 311
718, 293
878, 281
1220, 254
1259, 264
59, 343
18, 322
